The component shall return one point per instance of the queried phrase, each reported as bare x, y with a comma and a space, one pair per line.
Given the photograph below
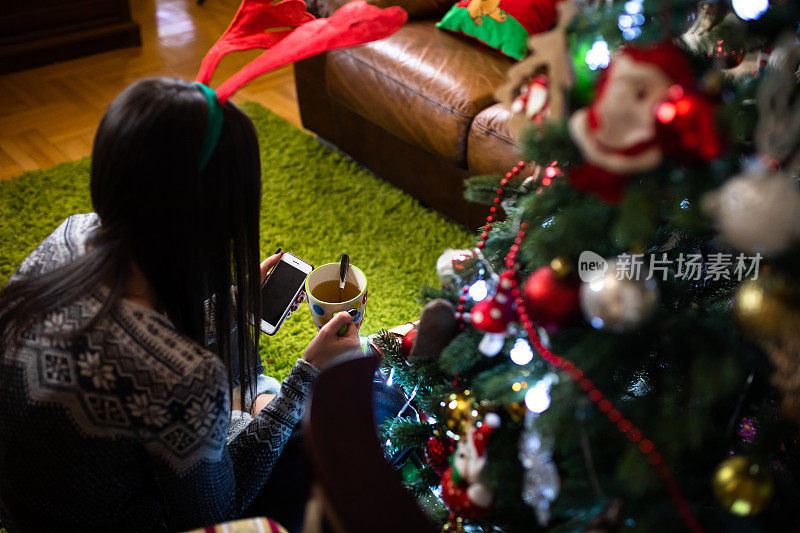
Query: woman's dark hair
194, 234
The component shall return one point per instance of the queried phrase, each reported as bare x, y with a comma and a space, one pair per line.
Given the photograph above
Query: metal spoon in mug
343, 266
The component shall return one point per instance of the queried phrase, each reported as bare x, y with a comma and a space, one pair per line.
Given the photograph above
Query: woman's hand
267, 265
327, 344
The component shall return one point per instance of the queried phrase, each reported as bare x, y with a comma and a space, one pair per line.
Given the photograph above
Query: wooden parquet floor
48, 115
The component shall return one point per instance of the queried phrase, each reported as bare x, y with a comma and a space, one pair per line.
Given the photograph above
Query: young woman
114, 392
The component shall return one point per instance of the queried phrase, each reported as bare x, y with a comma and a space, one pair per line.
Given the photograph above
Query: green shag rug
316, 203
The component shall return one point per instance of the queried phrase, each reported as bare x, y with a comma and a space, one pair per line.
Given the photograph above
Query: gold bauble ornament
767, 307
460, 411
561, 267
742, 486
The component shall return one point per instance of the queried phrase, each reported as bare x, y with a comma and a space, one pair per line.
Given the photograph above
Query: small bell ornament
493, 315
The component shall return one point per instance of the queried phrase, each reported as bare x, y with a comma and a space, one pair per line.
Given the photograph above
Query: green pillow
502, 24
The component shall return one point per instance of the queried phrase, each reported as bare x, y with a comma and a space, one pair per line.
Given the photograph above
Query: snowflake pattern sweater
124, 428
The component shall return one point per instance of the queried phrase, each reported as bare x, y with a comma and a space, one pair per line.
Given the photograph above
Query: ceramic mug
322, 311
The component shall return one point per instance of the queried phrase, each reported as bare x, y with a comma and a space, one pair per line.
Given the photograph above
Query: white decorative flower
151, 414
197, 414
90, 366
54, 321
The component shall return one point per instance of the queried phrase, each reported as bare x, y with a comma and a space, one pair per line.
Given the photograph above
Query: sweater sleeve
223, 479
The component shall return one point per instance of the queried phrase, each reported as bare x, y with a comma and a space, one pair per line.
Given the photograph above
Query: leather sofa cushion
421, 84
417, 9
492, 149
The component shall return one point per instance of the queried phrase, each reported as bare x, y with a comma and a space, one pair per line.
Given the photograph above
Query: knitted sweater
124, 428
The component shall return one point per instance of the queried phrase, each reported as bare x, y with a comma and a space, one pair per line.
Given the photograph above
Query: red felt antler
291, 33
257, 24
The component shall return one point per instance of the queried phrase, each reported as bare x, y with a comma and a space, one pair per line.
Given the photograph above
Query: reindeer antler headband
289, 33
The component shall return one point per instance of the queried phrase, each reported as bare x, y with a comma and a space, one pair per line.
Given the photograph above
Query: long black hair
193, 234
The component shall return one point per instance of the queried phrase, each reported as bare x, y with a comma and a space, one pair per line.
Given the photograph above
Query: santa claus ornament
618, 135
464, 489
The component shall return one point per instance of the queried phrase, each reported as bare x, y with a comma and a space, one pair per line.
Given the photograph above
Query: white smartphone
281, 289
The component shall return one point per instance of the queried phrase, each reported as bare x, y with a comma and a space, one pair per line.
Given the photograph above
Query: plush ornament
493, 315
758, 211
686, 129
742, 486
617, 133
437, 327
408, 342
460, 268
502, 24
438, 450
533, 100
551, 299
767, 307
614, 302
464, 489
543, 78
778, 101
459, 412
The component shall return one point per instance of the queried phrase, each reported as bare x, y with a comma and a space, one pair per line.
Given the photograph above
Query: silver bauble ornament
757, 212
613, 302
466, 268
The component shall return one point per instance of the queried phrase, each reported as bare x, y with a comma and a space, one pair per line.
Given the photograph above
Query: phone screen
279, 290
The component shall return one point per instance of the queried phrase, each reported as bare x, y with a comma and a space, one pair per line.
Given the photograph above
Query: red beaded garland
489, 219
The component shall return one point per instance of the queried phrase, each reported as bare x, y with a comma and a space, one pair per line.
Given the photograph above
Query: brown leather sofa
416, 108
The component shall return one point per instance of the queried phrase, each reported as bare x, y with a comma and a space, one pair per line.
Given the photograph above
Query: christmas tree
621, 349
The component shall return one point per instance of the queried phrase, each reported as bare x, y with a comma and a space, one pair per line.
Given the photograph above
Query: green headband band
214, 126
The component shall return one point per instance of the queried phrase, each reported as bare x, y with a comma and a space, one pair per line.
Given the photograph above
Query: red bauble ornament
550, 299
686, 128
408, 342
437, 453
